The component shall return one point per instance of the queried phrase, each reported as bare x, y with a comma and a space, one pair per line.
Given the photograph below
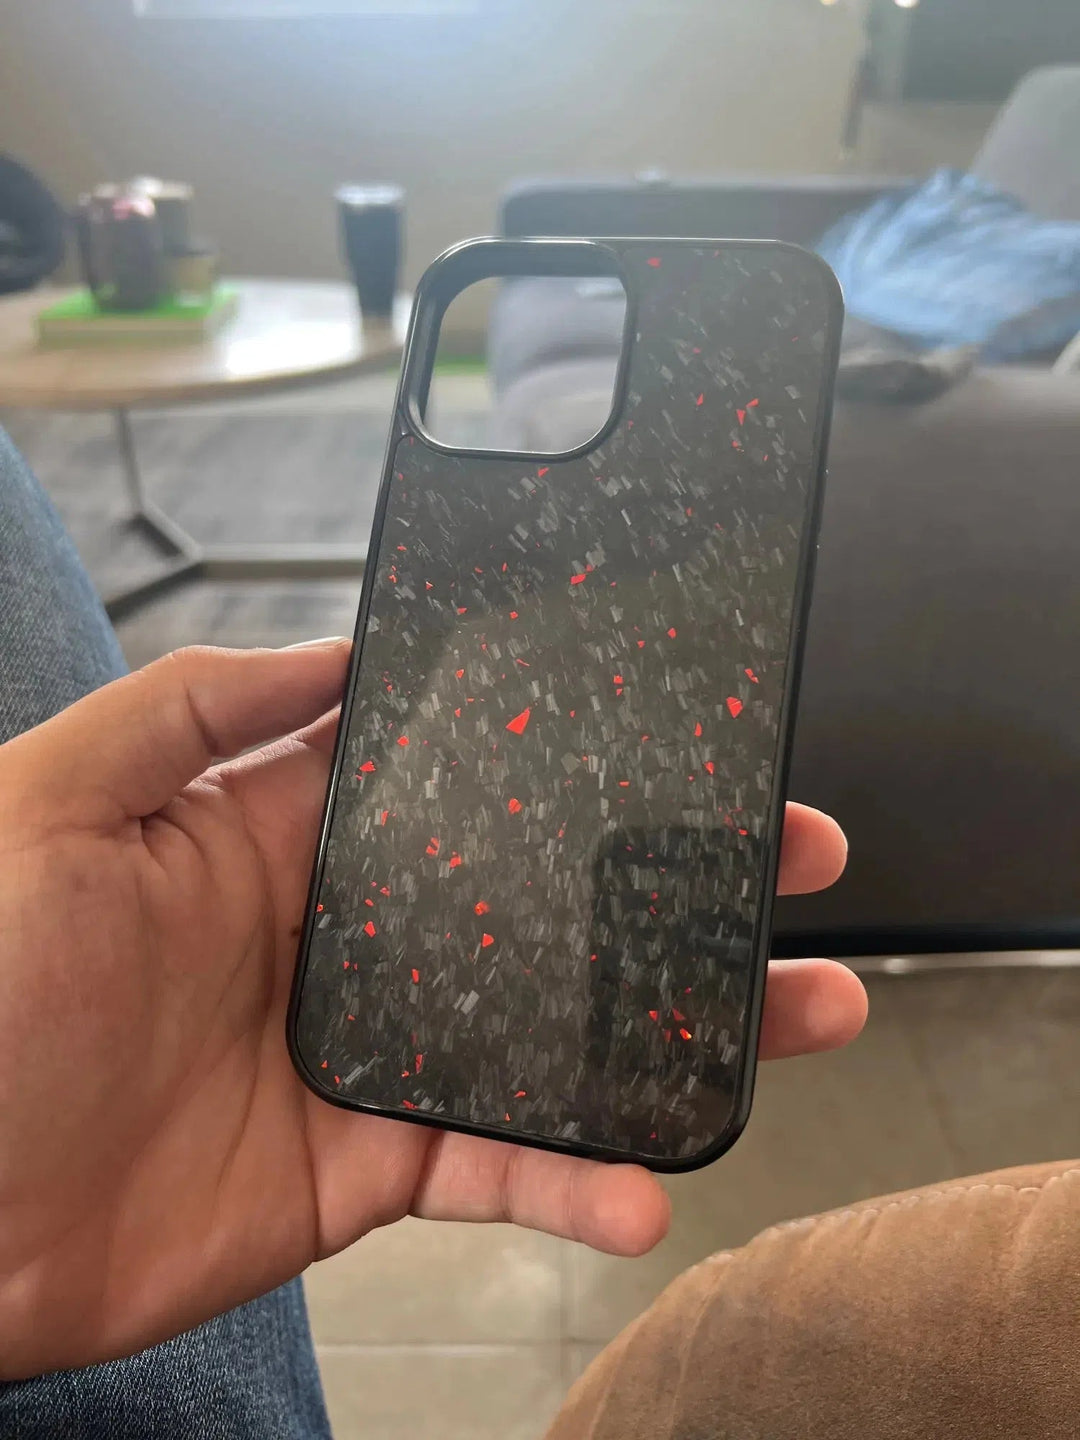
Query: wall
266, 117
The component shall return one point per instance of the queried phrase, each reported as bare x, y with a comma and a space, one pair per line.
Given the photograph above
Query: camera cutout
489, 327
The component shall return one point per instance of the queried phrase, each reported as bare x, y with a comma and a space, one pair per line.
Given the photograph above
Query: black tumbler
372, 221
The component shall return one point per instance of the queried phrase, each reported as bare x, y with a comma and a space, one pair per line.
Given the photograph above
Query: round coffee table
285, 333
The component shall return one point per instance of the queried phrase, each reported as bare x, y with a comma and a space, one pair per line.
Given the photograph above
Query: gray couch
940, 713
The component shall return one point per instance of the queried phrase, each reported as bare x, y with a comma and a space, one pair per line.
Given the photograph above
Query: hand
160, 1161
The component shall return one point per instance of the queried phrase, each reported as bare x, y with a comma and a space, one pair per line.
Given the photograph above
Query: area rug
258, 478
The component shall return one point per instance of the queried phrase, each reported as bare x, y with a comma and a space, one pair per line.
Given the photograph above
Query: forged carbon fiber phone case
540, 907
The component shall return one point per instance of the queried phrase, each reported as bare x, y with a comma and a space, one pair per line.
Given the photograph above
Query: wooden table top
285, 333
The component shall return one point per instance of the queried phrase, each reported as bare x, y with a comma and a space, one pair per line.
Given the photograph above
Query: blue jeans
248, 1375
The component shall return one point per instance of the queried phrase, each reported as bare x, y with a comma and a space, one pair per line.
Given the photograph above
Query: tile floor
464, 1333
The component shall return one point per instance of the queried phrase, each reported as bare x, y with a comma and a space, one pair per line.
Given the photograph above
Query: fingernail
326, 642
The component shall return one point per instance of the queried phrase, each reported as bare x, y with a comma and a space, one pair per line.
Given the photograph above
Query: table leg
190, 560
125, 444
183, 550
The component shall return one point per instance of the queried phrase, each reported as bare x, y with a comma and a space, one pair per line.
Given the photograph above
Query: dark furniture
31, 229
940, 714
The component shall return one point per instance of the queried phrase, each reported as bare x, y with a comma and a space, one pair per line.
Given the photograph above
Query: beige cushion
952, 1311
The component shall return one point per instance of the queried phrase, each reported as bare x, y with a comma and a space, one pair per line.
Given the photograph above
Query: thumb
129, 748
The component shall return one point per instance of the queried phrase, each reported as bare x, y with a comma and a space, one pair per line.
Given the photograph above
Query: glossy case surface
541, 901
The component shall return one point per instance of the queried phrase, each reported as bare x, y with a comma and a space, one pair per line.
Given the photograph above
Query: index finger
814, 851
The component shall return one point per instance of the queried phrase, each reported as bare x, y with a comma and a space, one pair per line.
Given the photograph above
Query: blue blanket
955, 261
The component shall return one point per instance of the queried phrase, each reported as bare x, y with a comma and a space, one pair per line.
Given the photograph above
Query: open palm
160, 1161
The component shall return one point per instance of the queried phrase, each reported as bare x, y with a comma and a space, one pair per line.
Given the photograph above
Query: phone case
541, 901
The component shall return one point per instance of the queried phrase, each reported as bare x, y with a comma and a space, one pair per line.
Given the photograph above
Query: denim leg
55, 643
247, 1375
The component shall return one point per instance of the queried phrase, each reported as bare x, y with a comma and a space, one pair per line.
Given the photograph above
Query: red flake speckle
433, 846
416, 977
385, 816
419, 1063
350, 1017
403, 740
457, 712
368, 767
641, 644
459, 673
318, 909
700, 400
462, 609
644, 738
678, 1015
408, 1105
514, 805
686, 1035
384, 889
709, 766
734, 705
428, 585
617, 679
455, 861
513, 614
486, 940
697, 731
519, 1094
543, 471
369, 928
654, 261
741, 415
624, 784
481, 907
752, 404
370, 903
672, 633
751, 676
654, 1014
337, 1079
324, 1065
517, 725
577, 579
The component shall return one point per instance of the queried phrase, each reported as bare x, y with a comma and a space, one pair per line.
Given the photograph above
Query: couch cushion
940, 697
555, 407
540, 320
947, 1311
1031, 149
